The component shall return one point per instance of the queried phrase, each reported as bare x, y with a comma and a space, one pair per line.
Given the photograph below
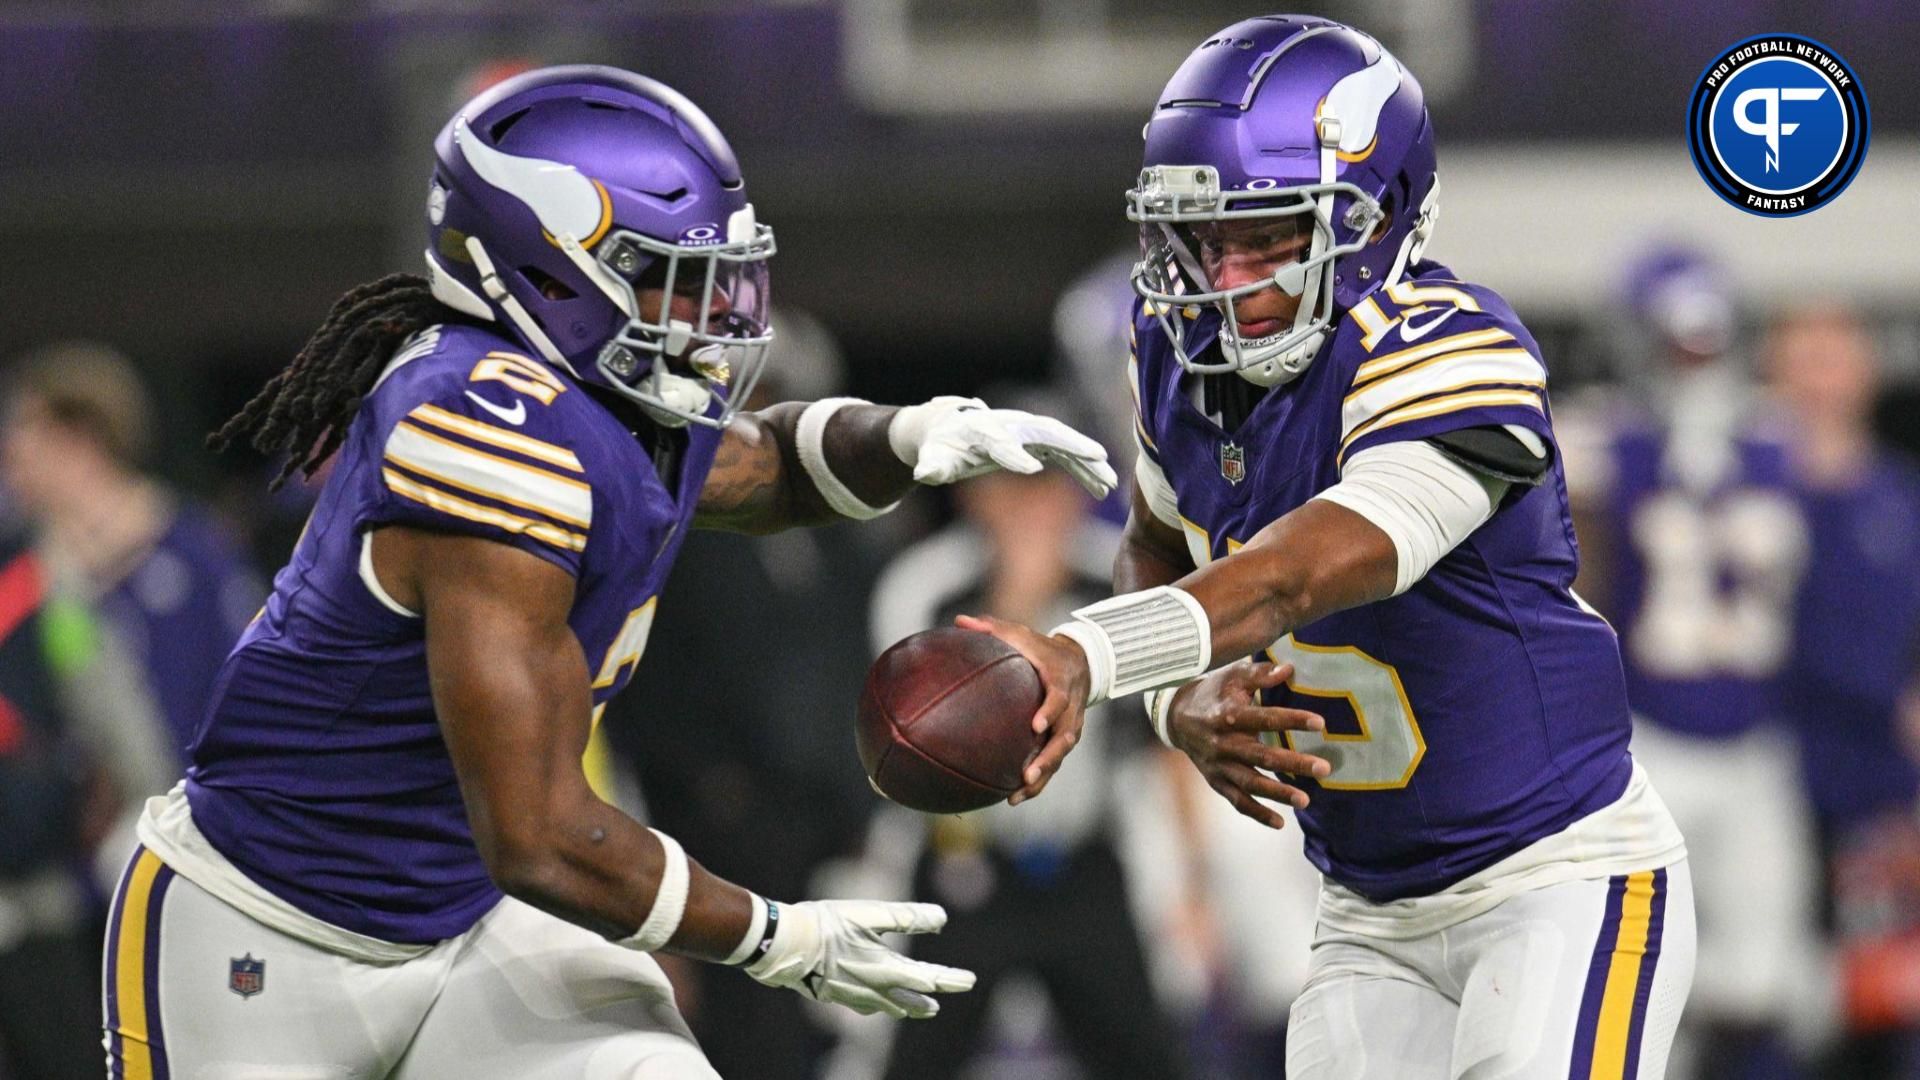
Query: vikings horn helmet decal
563, 195
1302, 121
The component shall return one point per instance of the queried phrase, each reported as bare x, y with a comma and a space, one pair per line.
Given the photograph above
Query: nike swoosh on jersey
515, 416
1410, 333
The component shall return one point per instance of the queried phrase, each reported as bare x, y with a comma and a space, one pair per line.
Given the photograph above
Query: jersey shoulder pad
473, 436
1431, 354
1149, 353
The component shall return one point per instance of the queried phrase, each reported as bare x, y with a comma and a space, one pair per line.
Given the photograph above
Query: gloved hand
954, 438
830, 950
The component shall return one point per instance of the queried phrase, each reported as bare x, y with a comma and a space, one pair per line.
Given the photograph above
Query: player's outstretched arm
808, 464
1319, 559
510, 687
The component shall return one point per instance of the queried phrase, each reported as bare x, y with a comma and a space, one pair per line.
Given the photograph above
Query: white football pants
1585, 978
522, 995
1749, 833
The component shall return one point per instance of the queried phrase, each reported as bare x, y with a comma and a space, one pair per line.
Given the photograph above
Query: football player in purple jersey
1349, 564
1695, 547
518, 445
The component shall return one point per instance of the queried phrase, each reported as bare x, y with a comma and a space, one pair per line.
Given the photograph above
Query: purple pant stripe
156, 1039
1643, 990
1588, 1025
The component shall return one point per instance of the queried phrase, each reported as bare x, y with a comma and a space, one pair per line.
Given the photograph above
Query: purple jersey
1706, 562
1857, 643
1484, 708
321, 773
179, 612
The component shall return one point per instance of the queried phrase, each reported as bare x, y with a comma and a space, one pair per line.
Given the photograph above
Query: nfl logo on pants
247, 976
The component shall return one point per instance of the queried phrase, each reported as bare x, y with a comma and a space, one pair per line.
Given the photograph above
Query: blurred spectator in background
1033, 890
1693, 545
80, 747
1856, 653
1092, 331
78, 428
743, 746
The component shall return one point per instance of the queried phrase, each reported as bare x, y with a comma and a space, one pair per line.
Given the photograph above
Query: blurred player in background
81, 747
1856, 655
78, 430
519, 442
1041, 892
1694, 545
1354, 449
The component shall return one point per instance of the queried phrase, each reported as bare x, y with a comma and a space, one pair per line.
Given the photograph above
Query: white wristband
669, 901
810, 440
756, 929
1159, 705
1140, 640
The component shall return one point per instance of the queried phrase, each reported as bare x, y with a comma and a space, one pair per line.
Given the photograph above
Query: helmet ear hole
1388, 207
546, 284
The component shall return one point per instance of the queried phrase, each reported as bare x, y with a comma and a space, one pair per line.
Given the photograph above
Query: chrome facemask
1171, 198
727, 344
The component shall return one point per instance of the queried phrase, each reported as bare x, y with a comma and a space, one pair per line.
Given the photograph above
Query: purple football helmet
561, 193
1298, 119
1682, 297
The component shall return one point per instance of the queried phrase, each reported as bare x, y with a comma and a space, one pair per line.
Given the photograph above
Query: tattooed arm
757, 484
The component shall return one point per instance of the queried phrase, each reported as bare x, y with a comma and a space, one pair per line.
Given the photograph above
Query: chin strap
497, 292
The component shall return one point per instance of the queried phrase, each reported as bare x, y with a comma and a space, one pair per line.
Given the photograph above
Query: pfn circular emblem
1778, 125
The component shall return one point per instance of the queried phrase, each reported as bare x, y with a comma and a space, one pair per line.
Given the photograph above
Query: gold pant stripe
1623, 977
130, 975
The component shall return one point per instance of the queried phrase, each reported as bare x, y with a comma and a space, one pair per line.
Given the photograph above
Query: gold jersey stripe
1492, 376
506, 440
448, 503
1445, 358
1442, 406
1380, 365
482, 473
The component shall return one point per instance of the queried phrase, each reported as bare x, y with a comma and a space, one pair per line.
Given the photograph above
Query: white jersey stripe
452, 504
1440, 406
506, 440
495, 477
1451, 371
1393, 361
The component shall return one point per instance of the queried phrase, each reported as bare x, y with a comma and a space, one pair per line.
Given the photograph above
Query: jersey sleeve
1427, 359
1140, 384
487, 453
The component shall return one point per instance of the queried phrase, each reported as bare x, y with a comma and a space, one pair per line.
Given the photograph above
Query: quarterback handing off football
945, 722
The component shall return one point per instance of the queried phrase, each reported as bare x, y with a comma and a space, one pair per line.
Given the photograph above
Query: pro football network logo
1778, 125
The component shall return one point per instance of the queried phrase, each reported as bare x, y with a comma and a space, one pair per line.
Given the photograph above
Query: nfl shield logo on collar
247, 976
1233, 462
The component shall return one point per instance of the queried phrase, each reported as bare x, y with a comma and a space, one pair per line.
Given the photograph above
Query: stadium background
195, 183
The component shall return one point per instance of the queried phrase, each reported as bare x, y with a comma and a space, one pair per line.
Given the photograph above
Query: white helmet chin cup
672, 400
1274, 361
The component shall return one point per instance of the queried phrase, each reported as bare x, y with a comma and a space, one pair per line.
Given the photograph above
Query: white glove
830, 950
954, 438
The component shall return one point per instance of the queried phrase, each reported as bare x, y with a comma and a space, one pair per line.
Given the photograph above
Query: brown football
946, 721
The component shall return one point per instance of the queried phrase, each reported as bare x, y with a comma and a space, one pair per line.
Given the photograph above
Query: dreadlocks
304, 410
